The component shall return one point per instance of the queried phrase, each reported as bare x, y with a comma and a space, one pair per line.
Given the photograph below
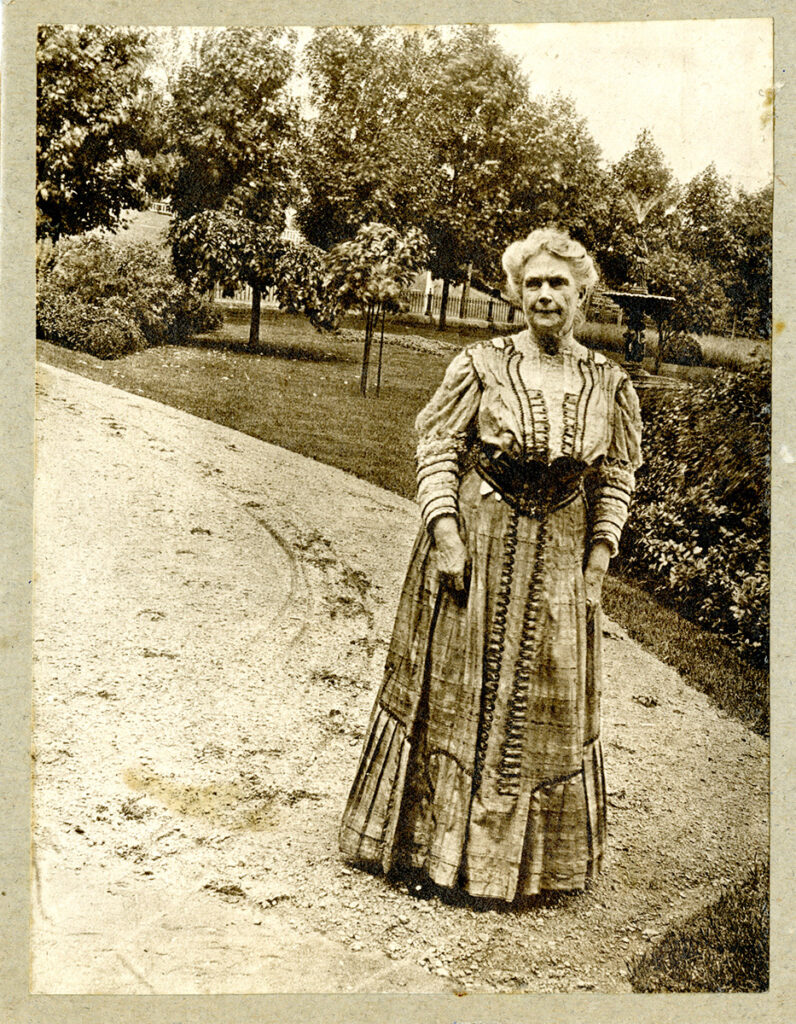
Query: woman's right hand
451, 553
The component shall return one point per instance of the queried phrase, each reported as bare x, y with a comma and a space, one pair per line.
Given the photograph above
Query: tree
700, 303
436, 129
471, 131
369, 272
642, 195
217, 247
749, 280
92, 104
704, 209
363, 151
233, 125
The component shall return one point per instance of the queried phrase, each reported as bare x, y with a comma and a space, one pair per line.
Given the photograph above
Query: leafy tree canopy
233, 125
704, 207
233, 128
749, 277
92, 104
364, 155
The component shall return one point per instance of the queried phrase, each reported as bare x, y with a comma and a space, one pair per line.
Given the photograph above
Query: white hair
557, 243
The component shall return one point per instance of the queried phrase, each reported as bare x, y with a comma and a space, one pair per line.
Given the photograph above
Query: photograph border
17, 288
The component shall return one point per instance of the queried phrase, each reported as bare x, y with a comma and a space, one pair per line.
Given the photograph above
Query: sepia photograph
402, 508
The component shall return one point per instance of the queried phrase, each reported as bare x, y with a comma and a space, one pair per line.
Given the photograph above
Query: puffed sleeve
616, 474
442, 429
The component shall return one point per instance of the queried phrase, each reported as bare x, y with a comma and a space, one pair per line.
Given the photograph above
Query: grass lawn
723, 948
301, 391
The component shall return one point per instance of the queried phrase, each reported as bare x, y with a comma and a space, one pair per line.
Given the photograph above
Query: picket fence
425, 304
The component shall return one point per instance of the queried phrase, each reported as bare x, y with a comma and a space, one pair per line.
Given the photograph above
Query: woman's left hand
594, 574
593, 584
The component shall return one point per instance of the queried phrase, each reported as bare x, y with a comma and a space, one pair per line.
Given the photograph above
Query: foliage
559, 179
109, 298
700, 303
214, 247
300, 275
231, 124
683, 349
92, 107
700, 520
370, 271
473, 137
640, 191
722, 948
437, 130
233, 130
749, 277
363, 156
704, 210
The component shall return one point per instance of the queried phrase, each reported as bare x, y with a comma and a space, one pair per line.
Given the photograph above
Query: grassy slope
723, 948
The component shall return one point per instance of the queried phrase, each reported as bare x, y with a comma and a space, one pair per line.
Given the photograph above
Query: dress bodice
514, 398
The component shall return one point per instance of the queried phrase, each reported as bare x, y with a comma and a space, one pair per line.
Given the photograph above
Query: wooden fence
491, 310
477, 308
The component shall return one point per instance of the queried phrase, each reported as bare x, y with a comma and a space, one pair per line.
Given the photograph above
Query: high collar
554, 348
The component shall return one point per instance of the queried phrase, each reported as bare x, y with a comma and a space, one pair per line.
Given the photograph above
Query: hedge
109, 298
699, 526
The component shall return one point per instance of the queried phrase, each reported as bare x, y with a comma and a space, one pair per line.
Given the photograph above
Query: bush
683, 349
110, 298
698, 530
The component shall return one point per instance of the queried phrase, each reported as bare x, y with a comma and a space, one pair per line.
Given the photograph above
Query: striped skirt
482, 764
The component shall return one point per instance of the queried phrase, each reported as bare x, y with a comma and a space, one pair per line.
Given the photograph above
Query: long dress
482, 764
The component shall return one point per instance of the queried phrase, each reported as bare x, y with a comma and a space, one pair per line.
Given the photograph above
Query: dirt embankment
211, 618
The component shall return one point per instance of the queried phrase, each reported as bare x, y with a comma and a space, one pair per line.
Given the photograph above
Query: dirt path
211, 619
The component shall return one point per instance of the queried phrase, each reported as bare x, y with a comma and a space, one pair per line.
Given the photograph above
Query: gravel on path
211, 620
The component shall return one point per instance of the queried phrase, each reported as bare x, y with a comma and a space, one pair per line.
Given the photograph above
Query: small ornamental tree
369, 272
217, 247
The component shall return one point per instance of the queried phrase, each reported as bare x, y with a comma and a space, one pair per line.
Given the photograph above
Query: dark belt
532, 488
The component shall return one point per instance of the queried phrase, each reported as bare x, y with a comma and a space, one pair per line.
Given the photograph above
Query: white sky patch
699, 86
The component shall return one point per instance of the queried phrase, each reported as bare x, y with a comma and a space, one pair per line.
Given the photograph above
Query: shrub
109, 298
683, 348
100, 329
699, 525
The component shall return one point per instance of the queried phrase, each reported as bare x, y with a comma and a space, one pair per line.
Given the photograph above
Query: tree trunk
381, 349
254, 326
369, 318
465, 292
443, 308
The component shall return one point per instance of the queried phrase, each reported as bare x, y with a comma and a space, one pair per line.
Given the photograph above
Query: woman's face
549, 295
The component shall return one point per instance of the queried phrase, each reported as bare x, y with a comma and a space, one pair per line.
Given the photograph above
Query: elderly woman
482, 766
